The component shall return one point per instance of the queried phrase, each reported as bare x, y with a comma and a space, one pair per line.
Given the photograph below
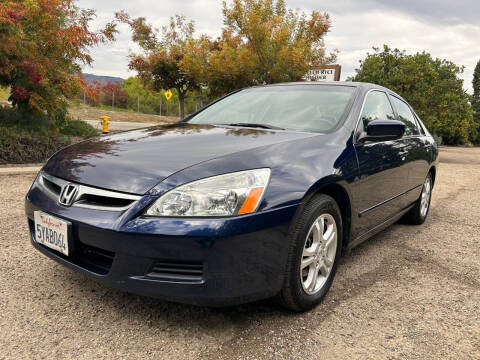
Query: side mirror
383, 130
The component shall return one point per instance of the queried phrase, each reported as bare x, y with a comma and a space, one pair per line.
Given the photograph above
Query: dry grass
4, 93
90, 113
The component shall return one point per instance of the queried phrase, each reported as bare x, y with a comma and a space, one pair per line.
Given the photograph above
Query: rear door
383, 176
419, 149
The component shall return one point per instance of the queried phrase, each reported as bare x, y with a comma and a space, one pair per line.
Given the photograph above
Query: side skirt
378, 228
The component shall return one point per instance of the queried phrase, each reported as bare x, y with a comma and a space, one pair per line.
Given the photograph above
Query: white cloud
111, 59
354, 35
356, 27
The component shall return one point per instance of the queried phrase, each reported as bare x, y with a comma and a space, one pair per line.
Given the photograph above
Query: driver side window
376, 107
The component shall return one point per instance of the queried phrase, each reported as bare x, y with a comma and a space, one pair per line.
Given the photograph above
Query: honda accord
256, 195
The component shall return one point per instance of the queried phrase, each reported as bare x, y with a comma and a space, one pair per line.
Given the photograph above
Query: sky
446, 29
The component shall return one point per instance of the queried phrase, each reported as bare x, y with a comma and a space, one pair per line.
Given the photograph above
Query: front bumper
235, 260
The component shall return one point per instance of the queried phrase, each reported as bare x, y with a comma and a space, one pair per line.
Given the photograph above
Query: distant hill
101, 78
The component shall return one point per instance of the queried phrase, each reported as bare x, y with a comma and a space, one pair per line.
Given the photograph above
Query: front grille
87, 196
102, 201
183, 271
51, 186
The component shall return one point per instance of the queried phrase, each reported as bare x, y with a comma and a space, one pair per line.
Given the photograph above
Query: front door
382, 170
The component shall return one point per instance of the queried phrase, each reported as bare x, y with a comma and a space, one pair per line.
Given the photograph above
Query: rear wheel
316, 241
418, 214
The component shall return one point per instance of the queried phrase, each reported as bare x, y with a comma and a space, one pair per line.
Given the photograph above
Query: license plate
51, 232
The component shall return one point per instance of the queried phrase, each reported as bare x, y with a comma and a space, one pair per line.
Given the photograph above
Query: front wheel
418, 214
316, 242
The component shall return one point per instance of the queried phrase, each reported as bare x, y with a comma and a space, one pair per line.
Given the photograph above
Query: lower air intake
183, 271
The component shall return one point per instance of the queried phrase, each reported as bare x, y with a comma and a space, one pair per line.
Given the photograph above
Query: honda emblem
68, 194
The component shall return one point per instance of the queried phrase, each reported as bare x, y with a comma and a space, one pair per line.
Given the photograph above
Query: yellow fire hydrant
105, 119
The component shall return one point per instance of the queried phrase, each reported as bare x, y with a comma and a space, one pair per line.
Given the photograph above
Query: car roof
365, 86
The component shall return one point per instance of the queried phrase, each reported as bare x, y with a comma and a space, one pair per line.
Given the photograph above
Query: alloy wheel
318, 254
425, 197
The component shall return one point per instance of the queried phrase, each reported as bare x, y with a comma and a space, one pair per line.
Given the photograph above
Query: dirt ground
411, 292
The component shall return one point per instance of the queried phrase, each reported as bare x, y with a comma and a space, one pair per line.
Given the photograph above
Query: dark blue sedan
257, 195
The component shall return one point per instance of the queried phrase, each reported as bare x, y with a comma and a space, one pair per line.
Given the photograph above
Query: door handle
403, 154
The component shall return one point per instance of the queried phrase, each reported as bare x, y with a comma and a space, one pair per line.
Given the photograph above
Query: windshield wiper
253, 125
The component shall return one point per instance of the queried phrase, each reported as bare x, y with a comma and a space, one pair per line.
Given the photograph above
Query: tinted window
405, 115
297, 107
376, 107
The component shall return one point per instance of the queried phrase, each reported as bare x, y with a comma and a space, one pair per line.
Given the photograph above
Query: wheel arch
336, 188
433, 171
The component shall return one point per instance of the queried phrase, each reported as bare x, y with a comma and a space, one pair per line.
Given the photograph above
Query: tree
283, 43
222, 66
431, 86
476, 102
149, 100
158, 66
43, 44
263, 42
113, 93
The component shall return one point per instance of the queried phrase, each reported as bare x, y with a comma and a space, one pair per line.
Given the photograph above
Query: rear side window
405, 115
376, 107
420, 127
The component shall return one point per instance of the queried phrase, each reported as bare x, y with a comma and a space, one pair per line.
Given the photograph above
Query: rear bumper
234, 260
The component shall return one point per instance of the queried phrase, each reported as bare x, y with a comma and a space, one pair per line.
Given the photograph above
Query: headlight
224, 195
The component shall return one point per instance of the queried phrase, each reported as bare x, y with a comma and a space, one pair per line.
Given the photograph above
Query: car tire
316, 240
418, 214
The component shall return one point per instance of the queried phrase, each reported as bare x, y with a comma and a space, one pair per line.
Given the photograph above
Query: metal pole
138, 103
167, 108
113, 100
160, 105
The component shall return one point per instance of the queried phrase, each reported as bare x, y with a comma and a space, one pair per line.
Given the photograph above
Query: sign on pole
168, 94
324, 73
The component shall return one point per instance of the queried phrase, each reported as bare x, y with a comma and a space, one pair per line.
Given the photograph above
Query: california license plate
51, 232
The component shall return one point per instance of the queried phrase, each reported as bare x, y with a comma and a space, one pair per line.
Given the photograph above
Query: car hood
135, 161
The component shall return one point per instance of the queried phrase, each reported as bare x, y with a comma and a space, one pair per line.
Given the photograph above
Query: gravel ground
409, 292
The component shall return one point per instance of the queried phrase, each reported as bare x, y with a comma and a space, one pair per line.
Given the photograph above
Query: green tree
431, 86
158, 65
476, 102
149, 100
43, 45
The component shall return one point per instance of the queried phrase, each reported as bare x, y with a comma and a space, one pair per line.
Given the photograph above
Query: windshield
316, 108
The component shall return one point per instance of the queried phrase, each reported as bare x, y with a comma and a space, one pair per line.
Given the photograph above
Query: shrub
18, 147
79, 128
29, 138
